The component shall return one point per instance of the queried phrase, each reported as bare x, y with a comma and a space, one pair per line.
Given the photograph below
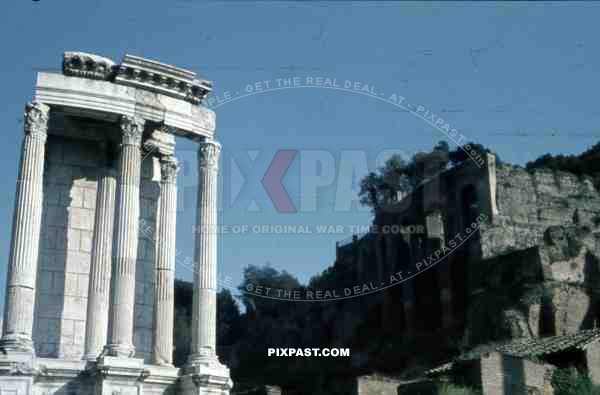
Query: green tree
182, 331
460, 155
228, 322
382, 188
265, 277
587, 163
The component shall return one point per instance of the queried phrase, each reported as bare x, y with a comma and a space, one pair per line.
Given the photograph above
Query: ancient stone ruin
89, 300
519, 297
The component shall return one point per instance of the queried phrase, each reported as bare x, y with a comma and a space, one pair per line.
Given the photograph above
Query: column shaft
120, 341
204, 320
164, 297
96, 325
22, 264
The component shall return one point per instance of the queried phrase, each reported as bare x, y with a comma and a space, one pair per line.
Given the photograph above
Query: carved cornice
169, 166
132, 129
85, 65
140, 73
208, 154
161, 78
36, 119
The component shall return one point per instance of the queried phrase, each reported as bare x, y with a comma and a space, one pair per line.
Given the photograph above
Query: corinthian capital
132, 129
208, 154
36, 119
169, 166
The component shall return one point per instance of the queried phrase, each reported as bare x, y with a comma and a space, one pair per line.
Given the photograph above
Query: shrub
452, 389
569, 381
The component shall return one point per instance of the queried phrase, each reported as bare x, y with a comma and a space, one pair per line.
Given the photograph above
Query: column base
17, 372
116, 375
17, 385
16, 343
162, 380
205, 375
119, 350
90, 357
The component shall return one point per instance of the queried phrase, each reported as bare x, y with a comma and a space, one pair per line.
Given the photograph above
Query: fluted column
204, 319
96, 324
27, 219
120, 335
164, 298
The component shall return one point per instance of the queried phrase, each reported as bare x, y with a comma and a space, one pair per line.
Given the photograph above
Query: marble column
27, 220
204, 312
122, 300
99, 284
164, 297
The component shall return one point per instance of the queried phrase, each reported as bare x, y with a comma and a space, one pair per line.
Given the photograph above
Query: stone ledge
140, 73
107, 101
161, 78
205, 374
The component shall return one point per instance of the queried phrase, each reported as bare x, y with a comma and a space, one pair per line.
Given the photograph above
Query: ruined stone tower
89, 297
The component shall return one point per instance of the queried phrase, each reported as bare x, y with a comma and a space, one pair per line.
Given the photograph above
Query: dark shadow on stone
513, 371
591, 273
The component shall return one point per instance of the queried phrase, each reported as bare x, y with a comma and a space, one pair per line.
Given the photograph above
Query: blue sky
521, 78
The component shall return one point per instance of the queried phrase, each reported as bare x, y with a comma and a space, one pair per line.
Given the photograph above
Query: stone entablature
140, 73
162, 78
86, 88
89, 305
85, 65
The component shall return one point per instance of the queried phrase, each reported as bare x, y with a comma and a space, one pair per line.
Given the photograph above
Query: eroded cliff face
529, 202
551, 288
533, 270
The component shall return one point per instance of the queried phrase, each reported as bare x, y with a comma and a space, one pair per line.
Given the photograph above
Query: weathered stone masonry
527, 278
540, 231
89, 306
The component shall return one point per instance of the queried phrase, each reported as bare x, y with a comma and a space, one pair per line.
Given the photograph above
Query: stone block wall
592, 357
272, 390
376, 385
144, 288
70, 182
528, 203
